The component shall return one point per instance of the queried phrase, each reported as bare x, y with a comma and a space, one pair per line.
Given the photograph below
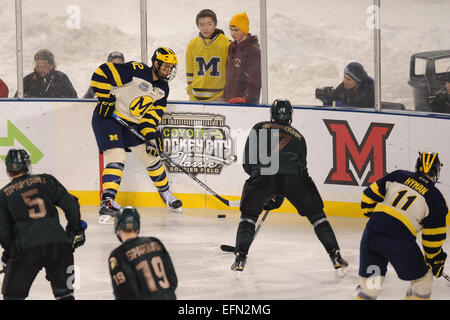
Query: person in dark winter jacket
243, 83
357, 89
45, 81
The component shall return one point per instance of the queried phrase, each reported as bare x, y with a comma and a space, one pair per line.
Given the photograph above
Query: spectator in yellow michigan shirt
206, 60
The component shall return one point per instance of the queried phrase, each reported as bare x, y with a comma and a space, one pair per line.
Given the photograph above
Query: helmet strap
156, 69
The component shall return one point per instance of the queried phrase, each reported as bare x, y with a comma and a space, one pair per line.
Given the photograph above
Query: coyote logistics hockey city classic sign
346, 149
201, 143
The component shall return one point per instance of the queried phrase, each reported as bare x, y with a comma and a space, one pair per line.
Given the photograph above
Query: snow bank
309, 42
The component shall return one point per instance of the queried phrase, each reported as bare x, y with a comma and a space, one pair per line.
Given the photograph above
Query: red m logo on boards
346, 149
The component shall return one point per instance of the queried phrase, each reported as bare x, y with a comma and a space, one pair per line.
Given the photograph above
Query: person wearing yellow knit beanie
240, 21
243, 83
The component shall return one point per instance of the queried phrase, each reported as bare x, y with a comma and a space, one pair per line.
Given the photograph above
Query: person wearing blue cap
356, 90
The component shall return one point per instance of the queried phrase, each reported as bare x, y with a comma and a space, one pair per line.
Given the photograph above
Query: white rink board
62, 131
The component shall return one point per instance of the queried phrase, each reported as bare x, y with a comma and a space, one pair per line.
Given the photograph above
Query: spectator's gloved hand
76, 238
274, 203
4, 259
238, 100
155, 150
105, 106
437, 263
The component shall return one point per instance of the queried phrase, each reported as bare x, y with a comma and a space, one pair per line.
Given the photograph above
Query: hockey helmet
17, 160
281, 110
428, 162
164, 54
127, 220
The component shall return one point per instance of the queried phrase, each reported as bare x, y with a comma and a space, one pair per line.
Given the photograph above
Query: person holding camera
356, 90
440, 100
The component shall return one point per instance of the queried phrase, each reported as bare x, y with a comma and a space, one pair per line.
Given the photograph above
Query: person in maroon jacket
243, 83
3, 89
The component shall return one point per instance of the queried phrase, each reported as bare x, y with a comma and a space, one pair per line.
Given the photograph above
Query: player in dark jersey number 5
31, 234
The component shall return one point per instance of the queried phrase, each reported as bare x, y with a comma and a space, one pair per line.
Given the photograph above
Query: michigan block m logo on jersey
204, 67
346, 150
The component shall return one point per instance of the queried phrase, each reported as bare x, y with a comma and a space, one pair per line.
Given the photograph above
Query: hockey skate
337, 260
239, 263
173, 204
108, 210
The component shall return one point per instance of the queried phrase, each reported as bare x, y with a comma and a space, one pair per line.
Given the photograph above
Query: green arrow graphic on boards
14, 133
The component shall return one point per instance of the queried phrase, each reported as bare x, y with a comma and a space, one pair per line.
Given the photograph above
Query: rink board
347, 149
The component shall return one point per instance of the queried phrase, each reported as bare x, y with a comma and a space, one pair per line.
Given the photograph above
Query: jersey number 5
36, 206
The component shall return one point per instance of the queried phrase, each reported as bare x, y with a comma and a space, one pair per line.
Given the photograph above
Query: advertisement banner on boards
347, 149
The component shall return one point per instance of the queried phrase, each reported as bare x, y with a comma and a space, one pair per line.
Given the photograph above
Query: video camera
438, 98
326, 95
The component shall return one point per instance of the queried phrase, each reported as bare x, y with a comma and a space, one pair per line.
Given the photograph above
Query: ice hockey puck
221, 216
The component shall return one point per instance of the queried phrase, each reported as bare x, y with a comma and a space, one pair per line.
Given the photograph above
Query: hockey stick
229, 203
446, 276
228, 248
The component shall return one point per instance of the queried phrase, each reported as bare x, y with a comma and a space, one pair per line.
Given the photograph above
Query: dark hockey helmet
164, 54
428, 162
281, 110
127, 220
17, 160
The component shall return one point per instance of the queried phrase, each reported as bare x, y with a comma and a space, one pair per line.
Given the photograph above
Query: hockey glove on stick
105, 106
437, 263
274, 203
155, 150
77, 238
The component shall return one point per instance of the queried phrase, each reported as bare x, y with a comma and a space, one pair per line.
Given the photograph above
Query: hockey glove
76, 238
105, 106
274, 203
437, 263
238, 100
4, 259
155, 150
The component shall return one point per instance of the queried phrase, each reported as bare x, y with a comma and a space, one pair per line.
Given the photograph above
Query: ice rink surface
286, 260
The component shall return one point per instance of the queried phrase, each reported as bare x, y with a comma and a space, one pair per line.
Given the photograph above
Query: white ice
286, 261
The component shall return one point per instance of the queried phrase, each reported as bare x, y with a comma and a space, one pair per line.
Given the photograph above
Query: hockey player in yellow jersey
138, 94
206, 60
399, 206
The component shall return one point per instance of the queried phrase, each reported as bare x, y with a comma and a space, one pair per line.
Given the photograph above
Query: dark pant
23, 267
111, 134
377, 250
299, 190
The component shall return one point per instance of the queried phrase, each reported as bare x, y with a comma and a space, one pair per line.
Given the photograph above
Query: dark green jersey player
275, 159
30, 232
140, 268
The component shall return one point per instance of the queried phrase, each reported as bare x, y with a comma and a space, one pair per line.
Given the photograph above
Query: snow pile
309, 42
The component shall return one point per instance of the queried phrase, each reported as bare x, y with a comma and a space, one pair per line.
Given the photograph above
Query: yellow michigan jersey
206, 64
139, 99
